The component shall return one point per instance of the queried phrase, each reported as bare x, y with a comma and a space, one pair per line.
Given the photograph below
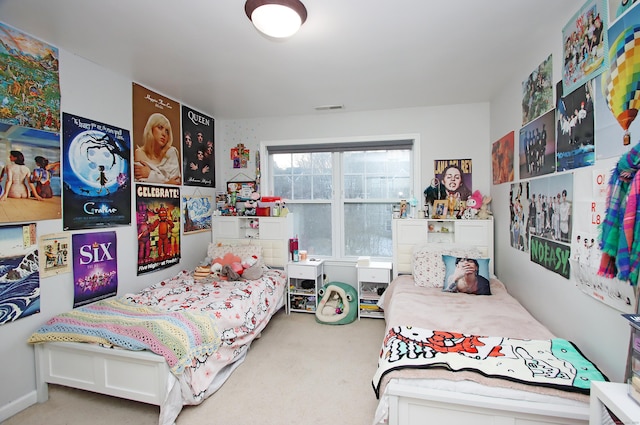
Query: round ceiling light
276, 18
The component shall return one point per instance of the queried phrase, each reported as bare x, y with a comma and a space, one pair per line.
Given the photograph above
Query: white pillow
428, 267
216, 250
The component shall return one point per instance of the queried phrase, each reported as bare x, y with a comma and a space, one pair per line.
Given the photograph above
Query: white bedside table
304, 299
615, 397
372, 279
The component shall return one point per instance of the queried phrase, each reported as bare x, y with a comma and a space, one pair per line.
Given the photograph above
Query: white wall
597, 329
95, 93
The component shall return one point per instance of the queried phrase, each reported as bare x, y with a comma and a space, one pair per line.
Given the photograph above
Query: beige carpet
298, 372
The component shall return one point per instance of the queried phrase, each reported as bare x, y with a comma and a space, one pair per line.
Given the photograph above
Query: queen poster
158, 220
96, 174
95, 267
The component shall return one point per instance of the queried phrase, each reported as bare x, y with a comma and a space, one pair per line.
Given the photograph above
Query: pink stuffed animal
474, 202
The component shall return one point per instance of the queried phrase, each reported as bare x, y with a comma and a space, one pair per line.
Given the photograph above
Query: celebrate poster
95, 267
96, 174
158, 224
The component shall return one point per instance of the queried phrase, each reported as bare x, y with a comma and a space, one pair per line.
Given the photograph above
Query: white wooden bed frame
412, 405
134, 375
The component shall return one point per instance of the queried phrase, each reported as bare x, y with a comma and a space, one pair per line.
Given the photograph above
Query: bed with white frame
142, 375
427, 396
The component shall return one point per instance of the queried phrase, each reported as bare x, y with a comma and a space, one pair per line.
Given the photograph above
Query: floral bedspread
242, 310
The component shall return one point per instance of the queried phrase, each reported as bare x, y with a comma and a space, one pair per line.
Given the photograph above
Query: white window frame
266, 178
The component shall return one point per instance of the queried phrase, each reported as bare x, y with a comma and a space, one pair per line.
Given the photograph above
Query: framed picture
243, 190
440, 208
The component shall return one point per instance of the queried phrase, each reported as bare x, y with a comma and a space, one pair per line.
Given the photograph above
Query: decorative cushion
216, 250
427, 264
456, 268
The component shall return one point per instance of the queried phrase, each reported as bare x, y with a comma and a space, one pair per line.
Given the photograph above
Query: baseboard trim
17, 406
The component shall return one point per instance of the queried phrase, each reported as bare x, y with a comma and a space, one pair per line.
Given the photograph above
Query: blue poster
96, 174
19, 272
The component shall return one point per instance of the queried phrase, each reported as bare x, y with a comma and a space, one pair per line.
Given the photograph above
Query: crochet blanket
178, 336
554, 363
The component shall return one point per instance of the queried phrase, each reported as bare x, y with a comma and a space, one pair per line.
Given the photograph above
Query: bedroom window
342, 194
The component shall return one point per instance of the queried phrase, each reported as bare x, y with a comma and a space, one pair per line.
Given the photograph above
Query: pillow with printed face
469, 275
427, 264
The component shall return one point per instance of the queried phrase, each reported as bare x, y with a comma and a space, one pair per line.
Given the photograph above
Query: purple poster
95, 268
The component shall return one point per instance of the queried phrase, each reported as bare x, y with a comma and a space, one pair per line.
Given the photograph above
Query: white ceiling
363, 54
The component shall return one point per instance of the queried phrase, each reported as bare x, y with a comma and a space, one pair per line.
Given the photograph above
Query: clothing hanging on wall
620, 230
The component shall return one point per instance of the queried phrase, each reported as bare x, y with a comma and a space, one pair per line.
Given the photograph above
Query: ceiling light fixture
276, 18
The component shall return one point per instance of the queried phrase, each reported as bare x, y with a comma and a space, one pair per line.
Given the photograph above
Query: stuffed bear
484, 212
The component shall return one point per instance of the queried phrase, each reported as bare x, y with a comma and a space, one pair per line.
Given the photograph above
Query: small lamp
276, 18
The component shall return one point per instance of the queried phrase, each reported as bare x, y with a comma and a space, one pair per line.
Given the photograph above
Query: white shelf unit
616, 398
373, 279
410, 233
302, 299
272, 233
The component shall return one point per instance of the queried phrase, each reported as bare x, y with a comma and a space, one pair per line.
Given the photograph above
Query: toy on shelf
485, 212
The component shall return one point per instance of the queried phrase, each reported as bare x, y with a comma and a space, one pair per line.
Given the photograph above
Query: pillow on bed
216, 250
481, 265
427, 264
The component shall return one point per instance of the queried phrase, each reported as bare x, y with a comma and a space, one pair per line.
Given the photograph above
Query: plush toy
248, 268
251, 204
484, 212
473, 205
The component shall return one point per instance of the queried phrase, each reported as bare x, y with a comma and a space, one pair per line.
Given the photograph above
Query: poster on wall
198, 149
575, 144
95, 267
551, 202
585, 45
158, 225
537, 91
454, 177
29, 83
19, 272
502, 160
33, 156
618, 8
197, 212
620, 83
585, 260
97, 174
55, 254
537, 143
551, 255
156, 136
520, 208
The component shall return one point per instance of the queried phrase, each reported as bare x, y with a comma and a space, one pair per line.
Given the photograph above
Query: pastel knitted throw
620, 229
178, 336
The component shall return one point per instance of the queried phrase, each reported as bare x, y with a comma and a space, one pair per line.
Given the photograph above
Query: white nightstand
615, 397
304, 297
373, 280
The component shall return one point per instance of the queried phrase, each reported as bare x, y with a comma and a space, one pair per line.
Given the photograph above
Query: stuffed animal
248, 268
484, 212
473, 205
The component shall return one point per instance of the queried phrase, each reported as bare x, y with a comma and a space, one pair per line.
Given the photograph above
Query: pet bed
338, 304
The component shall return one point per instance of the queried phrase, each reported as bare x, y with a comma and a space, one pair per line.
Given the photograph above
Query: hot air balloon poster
575, 143
621, 82
585, 45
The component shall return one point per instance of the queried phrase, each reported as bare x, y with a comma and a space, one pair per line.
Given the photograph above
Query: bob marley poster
95, 267
158, 224
96, 174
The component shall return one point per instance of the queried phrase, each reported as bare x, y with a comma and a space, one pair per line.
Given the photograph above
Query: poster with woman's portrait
96, 162
453, 177
197, 149
157, 154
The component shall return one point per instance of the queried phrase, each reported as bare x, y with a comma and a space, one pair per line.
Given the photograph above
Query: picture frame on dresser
440, 208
